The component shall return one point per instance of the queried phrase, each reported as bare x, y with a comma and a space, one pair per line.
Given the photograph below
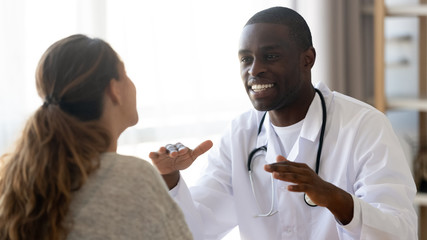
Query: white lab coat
361, 154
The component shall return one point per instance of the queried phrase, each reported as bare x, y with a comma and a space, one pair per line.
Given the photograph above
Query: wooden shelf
383, 102
421, 199
407, 104
407, 10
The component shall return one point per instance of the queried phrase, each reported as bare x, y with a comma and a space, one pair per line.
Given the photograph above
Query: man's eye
272, 56
245, 59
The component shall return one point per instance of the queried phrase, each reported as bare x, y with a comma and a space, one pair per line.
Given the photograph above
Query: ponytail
52, 158
61, 143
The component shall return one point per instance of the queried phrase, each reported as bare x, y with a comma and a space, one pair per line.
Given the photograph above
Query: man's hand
322, 193
172, 158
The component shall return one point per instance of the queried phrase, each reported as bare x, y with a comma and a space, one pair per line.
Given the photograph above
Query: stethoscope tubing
307, 200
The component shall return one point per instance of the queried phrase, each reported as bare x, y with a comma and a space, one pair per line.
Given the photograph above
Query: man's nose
256, 68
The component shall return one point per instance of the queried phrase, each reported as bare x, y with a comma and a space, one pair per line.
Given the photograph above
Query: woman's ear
309, 57
113, 91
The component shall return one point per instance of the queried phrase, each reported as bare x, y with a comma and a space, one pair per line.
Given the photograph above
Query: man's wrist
342, 207
171, 179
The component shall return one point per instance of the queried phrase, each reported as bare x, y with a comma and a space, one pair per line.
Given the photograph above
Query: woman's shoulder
128, 190
130, 161
128, 167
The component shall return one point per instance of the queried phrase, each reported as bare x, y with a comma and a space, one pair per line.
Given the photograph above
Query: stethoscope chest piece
308, 201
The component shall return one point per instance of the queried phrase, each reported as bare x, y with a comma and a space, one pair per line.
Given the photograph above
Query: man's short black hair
298, 28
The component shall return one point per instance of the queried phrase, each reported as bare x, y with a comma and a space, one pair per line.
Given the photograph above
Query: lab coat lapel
305, 148
273, 147
306, 145
294, 151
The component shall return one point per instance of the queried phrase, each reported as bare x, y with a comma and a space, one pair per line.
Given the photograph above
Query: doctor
306, 163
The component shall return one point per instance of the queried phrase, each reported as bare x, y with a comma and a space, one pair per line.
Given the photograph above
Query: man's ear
309, 57
113, 91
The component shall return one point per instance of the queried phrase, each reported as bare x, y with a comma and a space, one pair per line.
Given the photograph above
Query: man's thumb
202, 148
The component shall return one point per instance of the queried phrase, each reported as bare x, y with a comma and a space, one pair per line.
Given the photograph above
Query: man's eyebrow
271, 47
243, 52
263, 48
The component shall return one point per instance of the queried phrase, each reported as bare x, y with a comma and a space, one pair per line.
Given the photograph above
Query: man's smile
261, 87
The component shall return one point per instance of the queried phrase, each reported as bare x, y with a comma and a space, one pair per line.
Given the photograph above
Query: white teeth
261, 87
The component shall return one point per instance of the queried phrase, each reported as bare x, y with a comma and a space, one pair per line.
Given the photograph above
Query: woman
64, 179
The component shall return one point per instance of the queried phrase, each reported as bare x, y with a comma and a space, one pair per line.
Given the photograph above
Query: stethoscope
307, 200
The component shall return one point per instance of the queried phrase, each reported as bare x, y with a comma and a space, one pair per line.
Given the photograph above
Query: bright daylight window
181, 55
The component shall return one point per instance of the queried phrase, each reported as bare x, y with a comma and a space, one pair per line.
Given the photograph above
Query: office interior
182, 57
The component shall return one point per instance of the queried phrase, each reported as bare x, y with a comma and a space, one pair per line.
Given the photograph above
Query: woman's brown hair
61, 143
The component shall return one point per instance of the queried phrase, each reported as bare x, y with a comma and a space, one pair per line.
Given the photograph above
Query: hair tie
50, 100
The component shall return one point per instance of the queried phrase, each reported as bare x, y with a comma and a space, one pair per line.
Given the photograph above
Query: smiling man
306, 163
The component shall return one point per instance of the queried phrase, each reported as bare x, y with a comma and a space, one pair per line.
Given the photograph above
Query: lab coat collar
310, 129
313, 120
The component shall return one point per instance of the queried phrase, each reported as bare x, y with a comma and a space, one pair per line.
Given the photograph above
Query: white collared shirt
361, 155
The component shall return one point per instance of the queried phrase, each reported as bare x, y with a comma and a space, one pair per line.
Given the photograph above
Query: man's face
270, 66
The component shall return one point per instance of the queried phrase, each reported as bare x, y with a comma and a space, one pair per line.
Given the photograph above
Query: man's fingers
153, 155
281, 158
284, 169
202, 148
285, 166
292, 177
168, 149
162, 150
180, 149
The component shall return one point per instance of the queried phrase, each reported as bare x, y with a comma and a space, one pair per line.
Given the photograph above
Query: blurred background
182, 57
